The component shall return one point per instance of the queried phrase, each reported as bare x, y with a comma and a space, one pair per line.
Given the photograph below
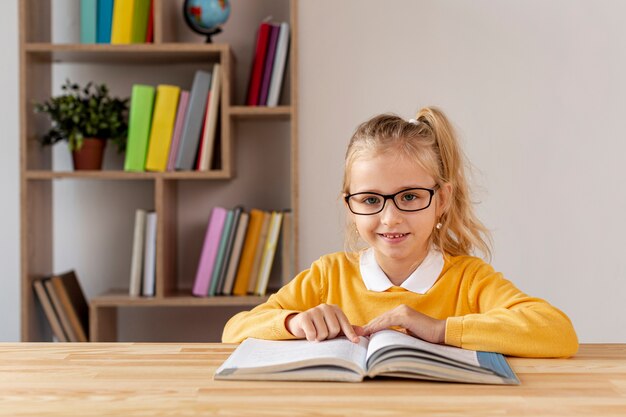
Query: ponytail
461, 232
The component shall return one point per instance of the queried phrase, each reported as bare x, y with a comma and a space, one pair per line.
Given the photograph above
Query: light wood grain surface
140, 379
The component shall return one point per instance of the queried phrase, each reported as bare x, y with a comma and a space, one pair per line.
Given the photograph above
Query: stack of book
268, 64
239, 250
143, 261
172, 129
116, 21
65, 306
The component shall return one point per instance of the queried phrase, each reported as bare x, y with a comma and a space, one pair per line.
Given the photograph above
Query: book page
255, 355
394, 339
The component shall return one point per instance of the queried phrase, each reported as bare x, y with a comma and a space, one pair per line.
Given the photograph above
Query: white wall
535, 89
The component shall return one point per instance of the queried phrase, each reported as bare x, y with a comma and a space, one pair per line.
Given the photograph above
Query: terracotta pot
90, 155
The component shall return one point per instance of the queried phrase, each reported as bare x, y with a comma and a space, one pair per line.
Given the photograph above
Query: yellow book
269, 251
122, 24
258, 254
162, 127
130, 19
248, 253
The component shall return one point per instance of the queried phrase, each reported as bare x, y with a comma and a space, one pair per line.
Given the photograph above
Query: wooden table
138, 379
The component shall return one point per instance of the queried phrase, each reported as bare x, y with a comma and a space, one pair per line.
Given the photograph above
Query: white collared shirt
420, 281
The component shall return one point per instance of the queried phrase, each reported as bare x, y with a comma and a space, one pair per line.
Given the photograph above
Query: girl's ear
445, 199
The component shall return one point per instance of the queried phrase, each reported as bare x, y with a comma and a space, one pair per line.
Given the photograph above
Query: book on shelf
269, 63
228, 249
149, 255
88, 21
209, 132
258, 253
163, 118
192, 126
387, 353
136, 265
221, 253
256, 73
104, 21
129, 22
70, 304
51, 314
269, 251
255, 223
150, 26
183, 101
139, 123
235, 254
278, 69
206, 263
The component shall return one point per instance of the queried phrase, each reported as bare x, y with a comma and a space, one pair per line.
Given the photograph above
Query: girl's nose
391, 214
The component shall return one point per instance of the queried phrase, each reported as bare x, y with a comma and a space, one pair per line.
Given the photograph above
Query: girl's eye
371, 200
409, 197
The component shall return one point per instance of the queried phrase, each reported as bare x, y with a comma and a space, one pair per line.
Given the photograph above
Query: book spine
139, 122
73, 303
278, 70
257, 67
88, 21
247, 255
139, 24
162, 127
209, 252
121, 27
210, 124
228, 249
193, 121
268, 253
49, 311
183, 102
149, 258
221, 252
105, 20
269, 64
150, 28
258, 253
58, 307
134, 289
235, 256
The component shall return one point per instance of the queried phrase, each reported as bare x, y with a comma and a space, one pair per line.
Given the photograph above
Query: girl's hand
319, 323
416, 324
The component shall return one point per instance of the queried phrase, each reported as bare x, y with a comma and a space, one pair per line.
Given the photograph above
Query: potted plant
86, 117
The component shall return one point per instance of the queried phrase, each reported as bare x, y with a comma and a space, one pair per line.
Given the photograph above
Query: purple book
209, 251
269, 64
178, 129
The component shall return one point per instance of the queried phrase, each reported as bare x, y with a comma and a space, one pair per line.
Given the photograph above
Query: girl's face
400, 239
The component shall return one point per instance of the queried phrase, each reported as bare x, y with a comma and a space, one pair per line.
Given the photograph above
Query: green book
139, 121
221, 252
141, 14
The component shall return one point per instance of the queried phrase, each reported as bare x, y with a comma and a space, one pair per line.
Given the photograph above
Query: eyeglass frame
392, 197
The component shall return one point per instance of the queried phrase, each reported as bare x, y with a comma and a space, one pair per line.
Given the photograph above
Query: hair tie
414, 121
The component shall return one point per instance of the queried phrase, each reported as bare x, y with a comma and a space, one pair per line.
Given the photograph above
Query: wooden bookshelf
38, 57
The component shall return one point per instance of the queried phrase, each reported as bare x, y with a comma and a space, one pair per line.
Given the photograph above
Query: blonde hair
431, 142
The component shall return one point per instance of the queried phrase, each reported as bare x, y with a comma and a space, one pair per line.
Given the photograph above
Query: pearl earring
438, 226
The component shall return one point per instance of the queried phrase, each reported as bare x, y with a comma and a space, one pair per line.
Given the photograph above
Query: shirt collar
420, 281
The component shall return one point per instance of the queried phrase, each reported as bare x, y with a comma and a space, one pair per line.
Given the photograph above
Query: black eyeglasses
411, 199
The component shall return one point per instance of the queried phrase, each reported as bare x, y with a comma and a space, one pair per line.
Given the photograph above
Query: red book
256, 75
150, 27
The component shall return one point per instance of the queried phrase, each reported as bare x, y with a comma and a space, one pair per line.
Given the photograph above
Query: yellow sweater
483, 311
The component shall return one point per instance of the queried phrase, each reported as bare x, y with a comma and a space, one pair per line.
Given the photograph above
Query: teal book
221, 252
88, 19
139, 122
105, 20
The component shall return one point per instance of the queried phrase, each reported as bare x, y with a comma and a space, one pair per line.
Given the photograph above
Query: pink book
209, 251
178, 129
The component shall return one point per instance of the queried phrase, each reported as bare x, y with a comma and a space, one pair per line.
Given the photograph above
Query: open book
387, 353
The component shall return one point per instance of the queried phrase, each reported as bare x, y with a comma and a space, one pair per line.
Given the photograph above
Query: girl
407, 198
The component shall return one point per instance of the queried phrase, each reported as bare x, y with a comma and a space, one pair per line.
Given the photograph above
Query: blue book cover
88, 21
105, 19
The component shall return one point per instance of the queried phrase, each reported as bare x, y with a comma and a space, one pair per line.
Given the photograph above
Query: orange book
248, 253
258, 254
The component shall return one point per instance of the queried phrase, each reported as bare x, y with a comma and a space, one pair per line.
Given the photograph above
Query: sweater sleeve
506, 320
267, 320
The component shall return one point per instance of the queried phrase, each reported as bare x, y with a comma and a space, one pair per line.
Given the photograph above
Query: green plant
85, 112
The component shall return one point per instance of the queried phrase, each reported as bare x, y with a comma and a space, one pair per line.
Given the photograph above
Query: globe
206, 16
